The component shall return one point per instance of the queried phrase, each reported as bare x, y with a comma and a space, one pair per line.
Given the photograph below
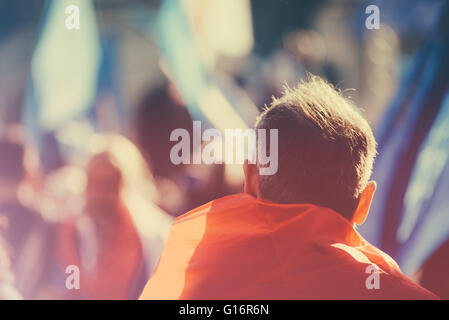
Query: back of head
326, 149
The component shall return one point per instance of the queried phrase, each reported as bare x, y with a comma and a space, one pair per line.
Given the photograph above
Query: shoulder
403, 288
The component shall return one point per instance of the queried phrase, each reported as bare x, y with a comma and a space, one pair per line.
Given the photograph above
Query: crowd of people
101, 206
108, 213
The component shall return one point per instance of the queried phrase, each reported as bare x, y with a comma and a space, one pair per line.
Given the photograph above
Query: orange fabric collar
239, 247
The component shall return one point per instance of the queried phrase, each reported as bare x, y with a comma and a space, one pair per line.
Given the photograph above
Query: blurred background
86, 116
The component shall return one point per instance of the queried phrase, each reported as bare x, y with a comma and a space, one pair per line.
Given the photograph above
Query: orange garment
118, 265
238, 247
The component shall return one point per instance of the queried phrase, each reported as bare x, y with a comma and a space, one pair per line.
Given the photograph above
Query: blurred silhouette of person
291, 234
117, 242
160, 111
27, 233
